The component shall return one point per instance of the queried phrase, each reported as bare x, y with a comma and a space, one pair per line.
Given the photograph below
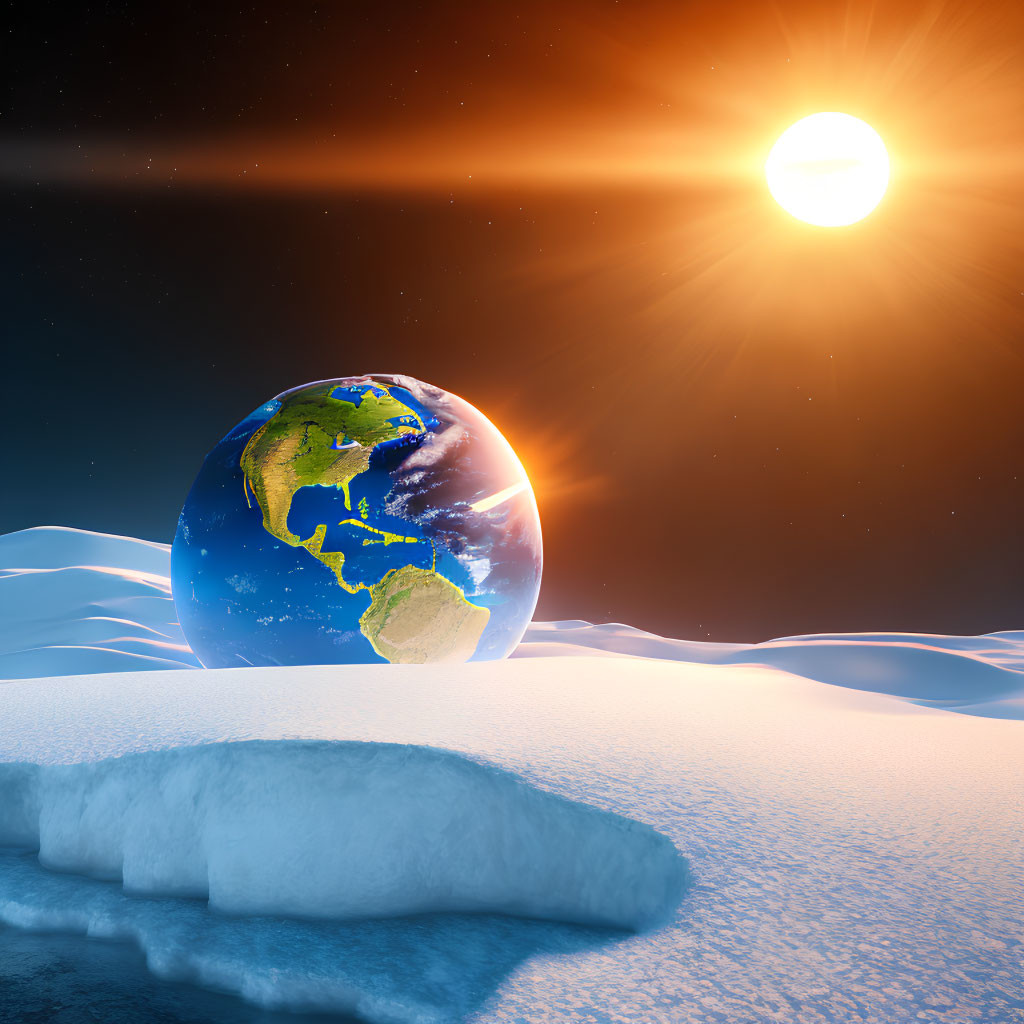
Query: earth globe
363, 519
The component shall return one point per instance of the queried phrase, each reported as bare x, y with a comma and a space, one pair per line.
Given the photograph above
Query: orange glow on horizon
659, 111
682, 111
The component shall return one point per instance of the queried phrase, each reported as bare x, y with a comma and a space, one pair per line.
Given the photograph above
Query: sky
738, 426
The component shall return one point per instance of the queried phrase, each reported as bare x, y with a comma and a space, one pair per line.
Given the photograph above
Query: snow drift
340, 830
78, 602
74, 601
982, 675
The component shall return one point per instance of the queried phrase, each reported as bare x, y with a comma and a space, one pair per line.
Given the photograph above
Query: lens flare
828, 169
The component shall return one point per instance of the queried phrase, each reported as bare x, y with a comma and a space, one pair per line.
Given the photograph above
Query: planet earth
363, 519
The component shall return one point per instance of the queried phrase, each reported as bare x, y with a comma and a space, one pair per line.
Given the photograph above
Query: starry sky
738, 426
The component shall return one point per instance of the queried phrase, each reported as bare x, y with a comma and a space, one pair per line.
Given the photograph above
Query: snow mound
340, 830
56, 547
974, 674
81, 602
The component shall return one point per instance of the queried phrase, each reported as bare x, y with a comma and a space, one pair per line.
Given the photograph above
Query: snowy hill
79, 602
74, 601
980, 675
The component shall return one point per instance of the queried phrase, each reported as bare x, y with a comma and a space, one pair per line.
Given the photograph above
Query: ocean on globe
364, 519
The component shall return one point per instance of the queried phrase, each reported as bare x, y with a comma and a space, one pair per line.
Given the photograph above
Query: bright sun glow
828, 169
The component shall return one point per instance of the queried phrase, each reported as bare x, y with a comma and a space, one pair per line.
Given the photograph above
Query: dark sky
738, 427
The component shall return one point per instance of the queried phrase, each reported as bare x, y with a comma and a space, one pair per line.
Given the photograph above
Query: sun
828, 169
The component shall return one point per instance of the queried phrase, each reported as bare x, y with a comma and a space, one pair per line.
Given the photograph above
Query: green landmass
299, 446
334, 560
416, 616
384, 537
316, 440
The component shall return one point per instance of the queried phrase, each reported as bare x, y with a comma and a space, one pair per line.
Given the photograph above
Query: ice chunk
341, 830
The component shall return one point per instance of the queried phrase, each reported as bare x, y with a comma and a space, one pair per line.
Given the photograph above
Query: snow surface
855, 854
854, 857
979, 675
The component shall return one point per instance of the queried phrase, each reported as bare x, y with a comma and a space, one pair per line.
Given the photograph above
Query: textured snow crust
339, 830
854, 857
